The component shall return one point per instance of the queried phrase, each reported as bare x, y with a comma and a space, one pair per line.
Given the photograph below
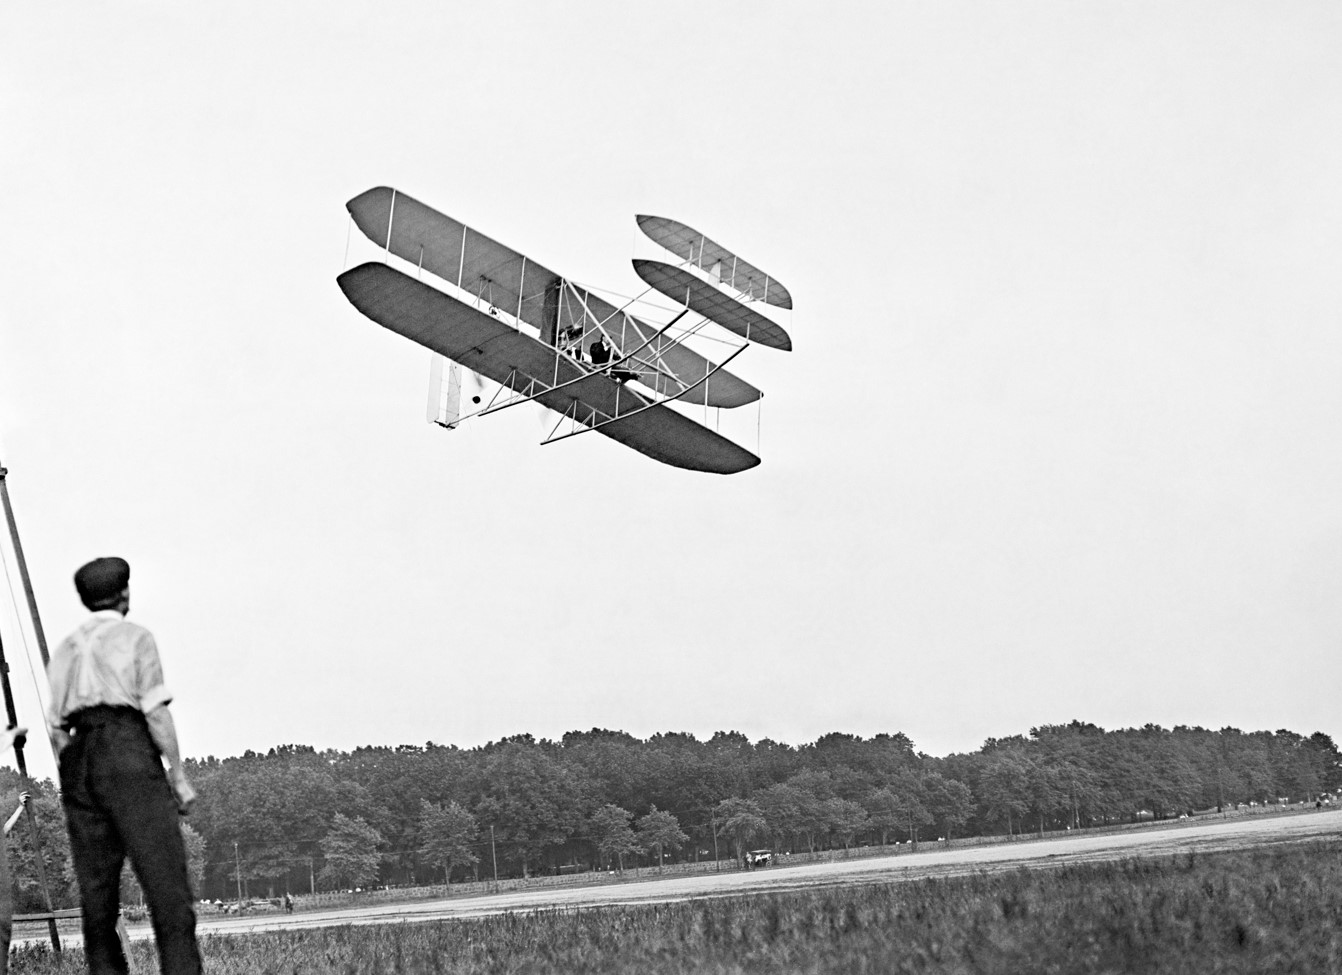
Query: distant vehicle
759, 858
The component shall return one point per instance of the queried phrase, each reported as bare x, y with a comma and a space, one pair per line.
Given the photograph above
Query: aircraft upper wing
486, 345
414, 231
502, 277
708, 255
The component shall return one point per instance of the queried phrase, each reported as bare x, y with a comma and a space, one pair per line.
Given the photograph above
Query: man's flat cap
102, 580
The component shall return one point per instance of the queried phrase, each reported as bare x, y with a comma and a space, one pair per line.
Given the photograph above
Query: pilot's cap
102, 580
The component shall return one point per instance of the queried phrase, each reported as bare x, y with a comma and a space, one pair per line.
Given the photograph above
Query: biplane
541, 337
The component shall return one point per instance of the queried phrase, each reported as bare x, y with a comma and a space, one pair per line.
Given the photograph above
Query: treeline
297, 819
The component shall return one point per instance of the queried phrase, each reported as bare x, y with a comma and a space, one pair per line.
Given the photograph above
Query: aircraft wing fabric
711, 257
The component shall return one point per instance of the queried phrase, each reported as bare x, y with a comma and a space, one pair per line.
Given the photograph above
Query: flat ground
1202, 836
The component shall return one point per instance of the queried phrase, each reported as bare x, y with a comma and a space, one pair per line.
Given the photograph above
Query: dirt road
1204, 836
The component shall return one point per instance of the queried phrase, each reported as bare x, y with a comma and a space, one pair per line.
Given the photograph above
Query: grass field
1267, 909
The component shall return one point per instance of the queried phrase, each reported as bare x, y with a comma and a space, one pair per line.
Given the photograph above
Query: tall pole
237, 860
713, 819
495, 854
23, 569
27, 582
12, 715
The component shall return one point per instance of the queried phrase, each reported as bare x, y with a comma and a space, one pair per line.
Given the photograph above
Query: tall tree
910, 800
812, 788
1326, 761
447, 836
884, 812
659, 830
1045, 791
1004, 789
531, 798
195, 857
949, 802
740, 820
612, 834
845, 817
782, 805
351, 852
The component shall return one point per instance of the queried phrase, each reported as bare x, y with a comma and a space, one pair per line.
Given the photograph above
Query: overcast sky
1059, 437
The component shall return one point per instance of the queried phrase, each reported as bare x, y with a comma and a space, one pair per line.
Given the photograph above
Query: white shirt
106, 661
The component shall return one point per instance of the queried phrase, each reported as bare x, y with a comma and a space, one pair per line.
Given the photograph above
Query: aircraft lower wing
509, 357
704, 299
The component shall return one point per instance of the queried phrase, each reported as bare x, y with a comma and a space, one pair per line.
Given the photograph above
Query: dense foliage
297, 819
1271, 909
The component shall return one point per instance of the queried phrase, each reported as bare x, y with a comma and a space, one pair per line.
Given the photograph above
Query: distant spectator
8, 739
18, 810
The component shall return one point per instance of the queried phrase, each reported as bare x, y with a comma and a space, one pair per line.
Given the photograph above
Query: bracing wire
631, 300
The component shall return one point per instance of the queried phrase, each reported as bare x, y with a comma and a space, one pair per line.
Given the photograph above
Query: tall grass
1270, 909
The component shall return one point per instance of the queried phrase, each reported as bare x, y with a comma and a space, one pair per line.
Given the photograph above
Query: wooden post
493, 852
713, 819
23, 569
237, 862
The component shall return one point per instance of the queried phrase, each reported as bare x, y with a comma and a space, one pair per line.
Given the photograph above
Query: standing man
110, 724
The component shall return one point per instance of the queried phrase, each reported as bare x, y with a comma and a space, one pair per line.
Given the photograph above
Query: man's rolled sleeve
155, 698
150, 689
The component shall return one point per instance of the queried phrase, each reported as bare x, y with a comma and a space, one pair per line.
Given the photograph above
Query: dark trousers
118, 804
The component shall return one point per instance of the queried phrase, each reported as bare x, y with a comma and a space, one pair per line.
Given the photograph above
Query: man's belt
86, 719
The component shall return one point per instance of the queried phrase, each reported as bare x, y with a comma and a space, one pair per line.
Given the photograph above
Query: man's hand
13, 737
181, 788
162, 730
18, 811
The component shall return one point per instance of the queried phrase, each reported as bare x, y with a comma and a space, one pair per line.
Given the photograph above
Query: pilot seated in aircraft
571, 337
601, 353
